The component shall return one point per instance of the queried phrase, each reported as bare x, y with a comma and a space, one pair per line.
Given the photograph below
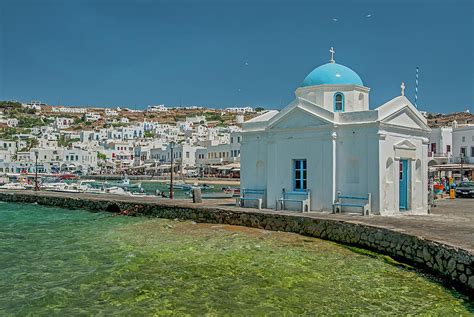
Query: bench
302, 197
363, 202
256, 195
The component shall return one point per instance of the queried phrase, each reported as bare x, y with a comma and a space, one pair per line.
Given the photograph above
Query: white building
111, 112
440, 147
214, 153
157, 108
463, 144
92, 117
69, 110
63, 123
184, 155
239, 109
12, 122
328, 141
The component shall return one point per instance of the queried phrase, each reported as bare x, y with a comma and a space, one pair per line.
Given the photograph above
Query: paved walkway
451, 222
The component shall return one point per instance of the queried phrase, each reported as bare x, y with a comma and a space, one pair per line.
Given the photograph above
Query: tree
149, 134
258, 109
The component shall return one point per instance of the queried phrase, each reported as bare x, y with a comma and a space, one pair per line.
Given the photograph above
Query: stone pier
441, 244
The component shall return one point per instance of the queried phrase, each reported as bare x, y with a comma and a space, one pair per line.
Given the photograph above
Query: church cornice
333, 87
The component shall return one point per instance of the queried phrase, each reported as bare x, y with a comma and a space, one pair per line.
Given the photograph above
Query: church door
403, 189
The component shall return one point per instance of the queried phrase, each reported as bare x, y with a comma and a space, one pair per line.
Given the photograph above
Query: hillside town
35, 137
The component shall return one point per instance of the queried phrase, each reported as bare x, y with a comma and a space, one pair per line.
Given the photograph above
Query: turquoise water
151, 187
70, 262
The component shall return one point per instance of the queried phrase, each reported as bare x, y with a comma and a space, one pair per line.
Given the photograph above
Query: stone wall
452, 264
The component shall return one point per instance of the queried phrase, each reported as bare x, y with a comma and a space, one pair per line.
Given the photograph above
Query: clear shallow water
151, 187
61, 262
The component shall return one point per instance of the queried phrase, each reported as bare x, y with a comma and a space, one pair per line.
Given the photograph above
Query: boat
125, 184
234, 190
180, 185
13, 186
205, 186
53, 186
66, 188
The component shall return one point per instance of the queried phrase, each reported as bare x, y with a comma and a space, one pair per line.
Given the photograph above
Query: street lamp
171, 144
36, 170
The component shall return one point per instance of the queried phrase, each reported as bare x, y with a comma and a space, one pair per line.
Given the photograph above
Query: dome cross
332, 51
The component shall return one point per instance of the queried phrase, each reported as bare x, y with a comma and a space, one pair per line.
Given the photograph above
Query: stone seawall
453, 264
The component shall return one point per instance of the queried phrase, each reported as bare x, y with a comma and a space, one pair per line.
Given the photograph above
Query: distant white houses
463, 144
440, 146
157, 108
12, 122
71, 110
328, 143
92, 117
35, 105
63, 123
239, 109
111, 112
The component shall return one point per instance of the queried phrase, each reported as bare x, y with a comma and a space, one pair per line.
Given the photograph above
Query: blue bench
363, 202
301, 197
257, 195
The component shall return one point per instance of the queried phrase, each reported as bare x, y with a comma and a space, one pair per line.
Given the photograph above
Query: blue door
403, 184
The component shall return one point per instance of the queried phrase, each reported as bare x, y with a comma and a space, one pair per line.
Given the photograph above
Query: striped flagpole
416, 88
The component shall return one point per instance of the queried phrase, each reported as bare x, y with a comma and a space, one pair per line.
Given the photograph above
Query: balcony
465, 160
439, 155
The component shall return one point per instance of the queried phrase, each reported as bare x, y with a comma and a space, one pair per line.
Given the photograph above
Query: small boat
235, 190
14, 186
205, 186
180, 185
66, 188
125, 184
116, 191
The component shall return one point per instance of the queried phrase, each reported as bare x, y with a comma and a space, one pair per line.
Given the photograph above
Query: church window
338, 102
300, 175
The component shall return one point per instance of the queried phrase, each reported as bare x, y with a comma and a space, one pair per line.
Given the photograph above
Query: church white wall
355, 98
278, 150
316, 148
253, 160
357, 170
389, 175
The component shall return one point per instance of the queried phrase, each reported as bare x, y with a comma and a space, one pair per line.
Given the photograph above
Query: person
163, 195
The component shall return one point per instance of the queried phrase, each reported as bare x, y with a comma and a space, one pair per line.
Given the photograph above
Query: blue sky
225, 53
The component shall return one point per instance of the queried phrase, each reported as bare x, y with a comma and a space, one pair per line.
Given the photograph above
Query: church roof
332, 74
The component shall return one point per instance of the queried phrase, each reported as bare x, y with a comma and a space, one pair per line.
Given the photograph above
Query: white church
327, 144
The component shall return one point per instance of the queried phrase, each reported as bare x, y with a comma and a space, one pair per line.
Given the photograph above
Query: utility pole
171, 178
36, 171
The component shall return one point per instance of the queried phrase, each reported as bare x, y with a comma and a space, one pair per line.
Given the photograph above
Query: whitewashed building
328, 140
463, 144
440, 146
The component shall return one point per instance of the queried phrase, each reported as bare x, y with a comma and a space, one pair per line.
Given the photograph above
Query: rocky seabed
454, 265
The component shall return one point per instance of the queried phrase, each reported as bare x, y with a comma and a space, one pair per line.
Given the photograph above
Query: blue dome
332, 74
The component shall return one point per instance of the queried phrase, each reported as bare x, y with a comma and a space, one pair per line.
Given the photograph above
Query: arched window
338, 102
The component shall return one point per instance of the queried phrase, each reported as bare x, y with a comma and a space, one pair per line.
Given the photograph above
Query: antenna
416, 87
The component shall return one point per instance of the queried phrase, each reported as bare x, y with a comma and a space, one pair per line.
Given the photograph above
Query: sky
232, 53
